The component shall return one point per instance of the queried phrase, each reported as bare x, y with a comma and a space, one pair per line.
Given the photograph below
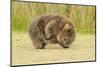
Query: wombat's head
67, 35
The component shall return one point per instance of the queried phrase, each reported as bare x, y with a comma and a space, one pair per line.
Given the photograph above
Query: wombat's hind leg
39, 44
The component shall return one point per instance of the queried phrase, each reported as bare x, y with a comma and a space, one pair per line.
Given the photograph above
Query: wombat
52, 29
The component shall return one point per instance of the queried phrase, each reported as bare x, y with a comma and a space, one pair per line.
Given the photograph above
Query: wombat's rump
53, 29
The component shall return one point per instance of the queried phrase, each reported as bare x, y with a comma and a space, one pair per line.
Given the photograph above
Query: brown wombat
52, 29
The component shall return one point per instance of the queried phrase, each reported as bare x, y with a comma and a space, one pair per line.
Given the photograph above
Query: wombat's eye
68, 30
65, 39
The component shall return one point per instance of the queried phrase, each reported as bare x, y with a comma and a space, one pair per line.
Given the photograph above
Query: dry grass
23, 52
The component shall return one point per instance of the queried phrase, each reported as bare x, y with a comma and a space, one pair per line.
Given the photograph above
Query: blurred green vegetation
82, 16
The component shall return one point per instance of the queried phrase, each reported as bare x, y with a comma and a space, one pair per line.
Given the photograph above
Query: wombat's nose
68, 30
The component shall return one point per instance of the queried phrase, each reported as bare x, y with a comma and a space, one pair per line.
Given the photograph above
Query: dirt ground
23, 52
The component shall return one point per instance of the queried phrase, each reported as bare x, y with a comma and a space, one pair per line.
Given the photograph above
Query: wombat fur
52, 29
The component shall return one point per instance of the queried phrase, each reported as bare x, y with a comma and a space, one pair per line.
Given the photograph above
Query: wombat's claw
65, 46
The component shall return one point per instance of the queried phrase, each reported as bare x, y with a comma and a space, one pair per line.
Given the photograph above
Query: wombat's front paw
64, 46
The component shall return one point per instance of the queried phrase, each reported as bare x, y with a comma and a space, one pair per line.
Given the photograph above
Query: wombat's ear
50, 29
67, 26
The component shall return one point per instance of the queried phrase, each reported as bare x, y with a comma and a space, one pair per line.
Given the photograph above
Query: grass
23, 52
83, 17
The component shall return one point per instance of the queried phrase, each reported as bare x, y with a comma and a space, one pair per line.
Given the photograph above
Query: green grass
82, 16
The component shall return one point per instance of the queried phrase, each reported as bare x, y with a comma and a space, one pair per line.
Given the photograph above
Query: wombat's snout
66, 36
65, 44
65, 41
